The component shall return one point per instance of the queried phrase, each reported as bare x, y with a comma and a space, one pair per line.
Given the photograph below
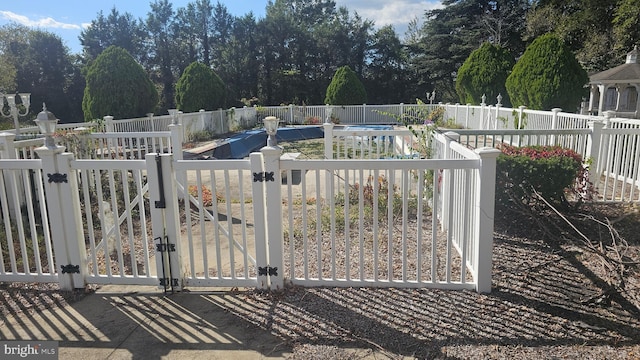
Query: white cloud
397, 13
41, 23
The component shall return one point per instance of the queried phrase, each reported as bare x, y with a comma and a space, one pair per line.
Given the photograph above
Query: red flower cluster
540, 152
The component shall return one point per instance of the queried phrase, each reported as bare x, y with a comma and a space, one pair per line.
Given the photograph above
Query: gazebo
617, 89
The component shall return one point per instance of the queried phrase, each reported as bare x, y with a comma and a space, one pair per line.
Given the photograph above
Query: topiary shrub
547, 76
118, 86
199, 87
485, 73
550, 170
345, 88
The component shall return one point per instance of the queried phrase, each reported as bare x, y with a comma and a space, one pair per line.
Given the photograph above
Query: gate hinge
57, 178
70, 269
267, 271
162, 247
169, 282
265, 176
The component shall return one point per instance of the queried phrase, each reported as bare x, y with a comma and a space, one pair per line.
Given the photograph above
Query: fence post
455, 117
484, 213
165, 220
273, 208
108, 123
222, 122
520, 115
63, 199
554, 123
364, 114
482, 105
291, 118
8, 151
203, 125
260, 226
596, 151
176, 150
466, 121
554, 118
498, 105
447, 177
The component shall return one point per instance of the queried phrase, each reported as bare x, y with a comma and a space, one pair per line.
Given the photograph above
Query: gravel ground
536, 310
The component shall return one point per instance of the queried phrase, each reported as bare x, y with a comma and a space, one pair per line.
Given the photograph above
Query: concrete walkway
120, 322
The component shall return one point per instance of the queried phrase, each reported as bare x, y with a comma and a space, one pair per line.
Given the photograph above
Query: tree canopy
289, 55
547, 76
118, 86
37, 62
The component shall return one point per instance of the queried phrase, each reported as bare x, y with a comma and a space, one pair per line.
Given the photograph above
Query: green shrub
345, 88
118, 86
547, 76
550, 170
199, 87
485, 73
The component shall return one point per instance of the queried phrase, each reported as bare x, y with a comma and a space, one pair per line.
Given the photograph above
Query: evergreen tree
118, 86
345, 88
484, 73
547, 76
199, 87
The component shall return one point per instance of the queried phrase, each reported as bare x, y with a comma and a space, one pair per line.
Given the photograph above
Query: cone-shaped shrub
547, 76
345, 88
117, 85
485, 73
199, 87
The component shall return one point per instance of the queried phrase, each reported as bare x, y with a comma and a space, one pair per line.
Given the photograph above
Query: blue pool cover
241, 145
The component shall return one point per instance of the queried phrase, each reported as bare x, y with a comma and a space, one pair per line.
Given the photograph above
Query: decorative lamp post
47, 122
13, 108
271, 127
431, 97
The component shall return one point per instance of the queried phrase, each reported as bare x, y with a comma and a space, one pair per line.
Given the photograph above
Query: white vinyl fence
87, 220
372, 213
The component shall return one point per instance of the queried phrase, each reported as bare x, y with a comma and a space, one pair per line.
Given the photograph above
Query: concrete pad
135, 322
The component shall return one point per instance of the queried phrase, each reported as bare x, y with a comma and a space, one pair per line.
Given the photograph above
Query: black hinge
57, 178
70, 269
265, 176
160, 204
165, 247
165, 282
267, 271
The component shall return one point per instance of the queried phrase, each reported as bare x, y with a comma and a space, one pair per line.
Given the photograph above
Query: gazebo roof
627, 73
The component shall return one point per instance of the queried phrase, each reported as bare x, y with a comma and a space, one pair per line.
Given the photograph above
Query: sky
66, 18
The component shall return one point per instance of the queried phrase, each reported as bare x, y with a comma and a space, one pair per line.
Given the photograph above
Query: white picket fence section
100, 211
92, 217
